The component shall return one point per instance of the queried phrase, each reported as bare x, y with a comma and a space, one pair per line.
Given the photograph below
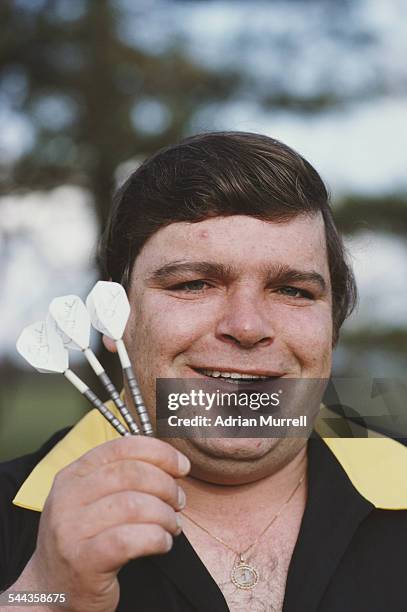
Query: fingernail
184, 465
169, 539
179, 523
182, 500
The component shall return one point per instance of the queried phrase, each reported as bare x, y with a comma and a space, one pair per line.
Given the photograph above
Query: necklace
243, 574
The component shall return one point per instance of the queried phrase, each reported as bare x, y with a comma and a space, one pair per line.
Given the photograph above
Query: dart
109, 310
73, 324
44, 349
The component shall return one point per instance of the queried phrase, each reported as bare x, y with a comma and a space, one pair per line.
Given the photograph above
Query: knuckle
158, 512
122, 543
132, 503
113, 472
116, 449
153, 448
169, 489
166, 454
168, 519
146, 508
174, 492
157, 538
137, 475
82, 465
118, 474
125, 446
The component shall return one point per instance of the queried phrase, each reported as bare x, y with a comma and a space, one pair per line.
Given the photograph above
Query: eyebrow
283, 274
277, 274
204, 268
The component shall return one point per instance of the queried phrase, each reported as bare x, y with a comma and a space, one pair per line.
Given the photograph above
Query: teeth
234, 375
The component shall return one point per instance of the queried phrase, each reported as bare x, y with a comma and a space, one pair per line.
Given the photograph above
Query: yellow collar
376, 465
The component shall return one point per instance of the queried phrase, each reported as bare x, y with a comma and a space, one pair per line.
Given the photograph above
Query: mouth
233, 376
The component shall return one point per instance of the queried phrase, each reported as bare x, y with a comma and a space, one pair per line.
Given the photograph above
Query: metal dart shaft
134, 389
111, 389
96, 402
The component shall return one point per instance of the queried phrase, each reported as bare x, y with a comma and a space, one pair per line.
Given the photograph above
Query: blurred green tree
85, 91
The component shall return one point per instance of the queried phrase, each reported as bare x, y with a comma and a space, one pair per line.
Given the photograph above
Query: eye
295, 292
194, 286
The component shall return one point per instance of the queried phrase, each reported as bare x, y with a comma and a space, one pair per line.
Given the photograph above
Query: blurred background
89, 88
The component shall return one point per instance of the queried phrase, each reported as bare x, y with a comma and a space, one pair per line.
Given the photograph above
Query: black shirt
349, 556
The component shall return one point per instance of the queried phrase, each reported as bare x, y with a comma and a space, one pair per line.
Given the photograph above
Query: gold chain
246, 550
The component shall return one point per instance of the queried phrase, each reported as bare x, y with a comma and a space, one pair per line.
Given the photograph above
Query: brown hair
221, 174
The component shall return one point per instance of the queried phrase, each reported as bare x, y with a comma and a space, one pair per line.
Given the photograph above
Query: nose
245, 321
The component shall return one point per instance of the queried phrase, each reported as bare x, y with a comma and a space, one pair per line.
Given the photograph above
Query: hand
116, 503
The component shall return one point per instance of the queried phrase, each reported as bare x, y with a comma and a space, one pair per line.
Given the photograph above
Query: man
233, 267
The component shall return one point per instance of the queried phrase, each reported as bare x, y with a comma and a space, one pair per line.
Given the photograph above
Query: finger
110, 550
125, 476
141, 448
126, 507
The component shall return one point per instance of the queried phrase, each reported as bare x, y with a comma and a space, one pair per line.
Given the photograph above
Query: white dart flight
109, 310
73, 324
43, 348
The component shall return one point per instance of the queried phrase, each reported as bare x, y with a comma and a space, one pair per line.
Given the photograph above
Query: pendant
243, 575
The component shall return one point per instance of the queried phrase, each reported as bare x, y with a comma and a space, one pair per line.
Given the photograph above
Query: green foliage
390, 340
34, 407
376, 213
82, 83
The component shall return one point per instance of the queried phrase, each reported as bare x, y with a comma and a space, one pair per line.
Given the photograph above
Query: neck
214, 504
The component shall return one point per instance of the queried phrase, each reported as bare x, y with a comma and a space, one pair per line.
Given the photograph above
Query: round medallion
244, 576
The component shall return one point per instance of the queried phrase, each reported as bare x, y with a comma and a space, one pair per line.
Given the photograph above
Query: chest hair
271, 558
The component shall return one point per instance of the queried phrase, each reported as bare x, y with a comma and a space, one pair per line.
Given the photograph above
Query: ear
109, 344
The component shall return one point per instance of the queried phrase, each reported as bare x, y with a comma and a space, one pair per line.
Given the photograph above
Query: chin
235, 449
237, 461
233, 461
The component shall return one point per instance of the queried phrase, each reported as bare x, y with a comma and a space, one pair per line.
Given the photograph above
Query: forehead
239, 240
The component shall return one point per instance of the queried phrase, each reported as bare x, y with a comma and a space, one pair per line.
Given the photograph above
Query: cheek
308, 333
166, 327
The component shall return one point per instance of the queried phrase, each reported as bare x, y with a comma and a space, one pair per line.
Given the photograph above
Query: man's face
232, 294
